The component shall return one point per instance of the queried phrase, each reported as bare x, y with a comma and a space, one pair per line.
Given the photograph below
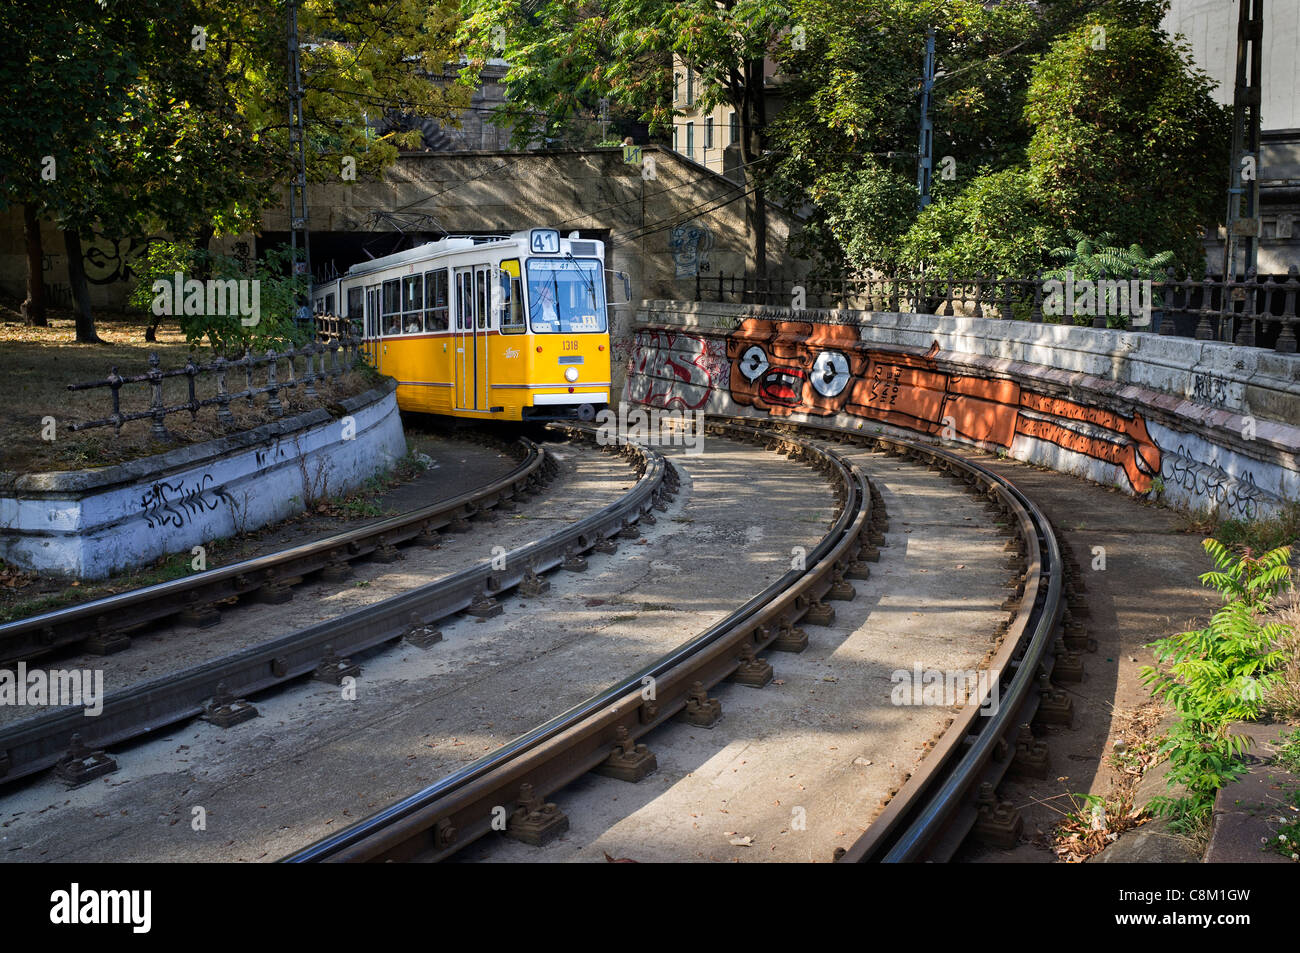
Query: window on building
735, 127
435, 294
708, 133
690, 140
690, 86
677, 82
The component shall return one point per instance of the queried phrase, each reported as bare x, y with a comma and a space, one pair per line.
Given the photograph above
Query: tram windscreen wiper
591, 285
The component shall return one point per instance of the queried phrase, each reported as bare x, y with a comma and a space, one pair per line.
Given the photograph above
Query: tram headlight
571, 374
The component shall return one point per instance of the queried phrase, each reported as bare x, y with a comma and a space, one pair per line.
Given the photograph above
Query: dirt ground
38, 364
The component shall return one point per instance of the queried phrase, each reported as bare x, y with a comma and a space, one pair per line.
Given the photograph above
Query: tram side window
413, 304
512, 299
329, 304
435, 293
464, 301
480, 276
354, 315
392, 307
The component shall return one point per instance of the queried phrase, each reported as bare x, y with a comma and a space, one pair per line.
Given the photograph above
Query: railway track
926, 818
216, 689
103, 625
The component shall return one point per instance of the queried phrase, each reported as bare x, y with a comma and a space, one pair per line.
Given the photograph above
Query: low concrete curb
1246, 811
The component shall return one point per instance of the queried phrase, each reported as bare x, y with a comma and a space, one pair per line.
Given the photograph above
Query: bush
1128, 139
1217, 676
1096, 258
278, 294
996, 224
867, 212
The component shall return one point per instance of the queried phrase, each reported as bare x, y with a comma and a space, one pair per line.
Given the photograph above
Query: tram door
473, 298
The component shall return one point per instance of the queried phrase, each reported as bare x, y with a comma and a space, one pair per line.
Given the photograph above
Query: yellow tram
511, 328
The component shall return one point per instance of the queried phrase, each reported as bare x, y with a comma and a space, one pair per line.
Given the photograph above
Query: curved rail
937, 807
445, 816
103, 618
40, 742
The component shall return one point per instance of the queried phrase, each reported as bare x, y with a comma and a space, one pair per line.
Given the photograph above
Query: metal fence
326, 359
1254, 311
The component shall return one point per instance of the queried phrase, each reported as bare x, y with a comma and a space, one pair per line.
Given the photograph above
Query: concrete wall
1208, 425
88, 524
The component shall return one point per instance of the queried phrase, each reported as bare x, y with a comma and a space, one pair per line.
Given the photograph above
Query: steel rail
454, 811
40, 742
936, 807
104, 618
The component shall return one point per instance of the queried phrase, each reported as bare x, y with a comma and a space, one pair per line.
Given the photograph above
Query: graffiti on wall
113, 259
675, 371
786, 367
1205, 480
173, 504
1209, 389
690, 244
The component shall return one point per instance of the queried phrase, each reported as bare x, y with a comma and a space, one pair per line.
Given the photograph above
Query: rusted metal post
272, 388
157, 428
224, 417
309, 379
191, 372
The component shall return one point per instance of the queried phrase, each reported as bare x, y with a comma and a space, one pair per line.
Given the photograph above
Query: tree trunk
34, 304
80, 290
754, 119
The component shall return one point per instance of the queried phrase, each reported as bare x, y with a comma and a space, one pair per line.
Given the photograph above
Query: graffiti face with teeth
788, 367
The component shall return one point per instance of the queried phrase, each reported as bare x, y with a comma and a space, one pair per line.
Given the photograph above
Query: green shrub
278, 294
997, 224
1096, 258
1217, 676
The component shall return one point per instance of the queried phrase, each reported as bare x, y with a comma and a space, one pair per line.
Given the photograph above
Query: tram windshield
566, 295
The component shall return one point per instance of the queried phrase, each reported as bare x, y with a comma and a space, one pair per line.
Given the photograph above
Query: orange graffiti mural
789, 367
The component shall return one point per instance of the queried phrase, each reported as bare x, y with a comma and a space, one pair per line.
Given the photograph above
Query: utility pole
1241, 243
925, 148
298, 147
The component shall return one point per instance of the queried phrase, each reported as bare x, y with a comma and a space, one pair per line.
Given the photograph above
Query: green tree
174, 116
1127, 138
563, 54
846, 140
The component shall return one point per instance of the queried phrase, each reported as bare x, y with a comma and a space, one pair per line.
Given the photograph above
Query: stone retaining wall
1208, 426
88, 524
